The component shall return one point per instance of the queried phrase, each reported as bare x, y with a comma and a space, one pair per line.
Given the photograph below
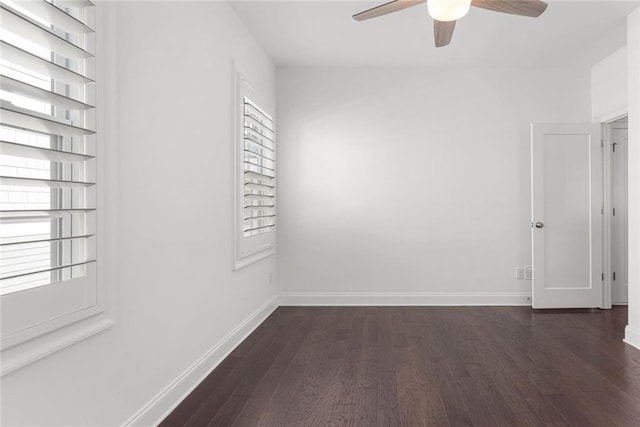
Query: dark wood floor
414, 366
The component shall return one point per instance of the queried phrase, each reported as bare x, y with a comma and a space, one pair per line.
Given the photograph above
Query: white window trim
243, 255
72, 328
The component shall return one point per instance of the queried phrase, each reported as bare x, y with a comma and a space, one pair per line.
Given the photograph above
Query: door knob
539, 224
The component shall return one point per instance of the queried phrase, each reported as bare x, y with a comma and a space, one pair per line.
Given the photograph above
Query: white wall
174, 296
632, 335
412, 181
609, 87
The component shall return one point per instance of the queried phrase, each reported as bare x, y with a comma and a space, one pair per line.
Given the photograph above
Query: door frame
607, 220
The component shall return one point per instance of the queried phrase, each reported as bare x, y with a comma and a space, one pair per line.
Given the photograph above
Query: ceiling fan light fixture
448, 10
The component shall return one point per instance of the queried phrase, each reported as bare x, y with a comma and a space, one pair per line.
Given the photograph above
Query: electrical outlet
528, 272
520, 273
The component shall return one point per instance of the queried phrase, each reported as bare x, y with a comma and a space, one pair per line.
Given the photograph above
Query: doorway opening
616, 267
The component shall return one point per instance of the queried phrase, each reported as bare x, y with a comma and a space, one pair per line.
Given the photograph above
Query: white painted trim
607, 180
246, 250
166, 401
250, 259
406, 298
613, 116
607, 164
632, 337
10, 364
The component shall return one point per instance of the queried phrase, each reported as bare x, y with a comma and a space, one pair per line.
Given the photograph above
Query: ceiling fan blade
383, 9
443, 31
532, 8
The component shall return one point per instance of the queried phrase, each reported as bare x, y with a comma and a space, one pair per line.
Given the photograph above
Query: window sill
243, 262
31, 351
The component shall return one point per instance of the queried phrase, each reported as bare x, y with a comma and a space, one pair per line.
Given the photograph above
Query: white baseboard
632, 337
410, 298
166, 401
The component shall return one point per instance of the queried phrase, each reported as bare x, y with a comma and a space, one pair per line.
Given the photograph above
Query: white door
619, 228
566, 215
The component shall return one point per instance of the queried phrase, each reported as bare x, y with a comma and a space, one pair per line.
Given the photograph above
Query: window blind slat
249, 138
53, 14
266, 192
257, 196
18, 180
259, 216
40, 65
39, 153
253, 204
21, 213
261, 185
259, 228
48, 269
250, 226
260, 162
251, 162
250, 168
26, 240
23, 26
253, 153
259, 210
21, 88
29, 120
19, 240
259, 223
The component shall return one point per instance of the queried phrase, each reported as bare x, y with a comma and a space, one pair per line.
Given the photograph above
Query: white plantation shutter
47, 166
259, 171
255, 177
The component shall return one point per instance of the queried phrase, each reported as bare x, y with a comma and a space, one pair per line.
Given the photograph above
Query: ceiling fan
446, 12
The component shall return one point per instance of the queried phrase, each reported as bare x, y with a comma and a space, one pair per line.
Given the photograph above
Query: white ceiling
302, 33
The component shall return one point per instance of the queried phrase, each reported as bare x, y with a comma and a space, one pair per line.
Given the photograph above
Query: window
255, 177
47, 167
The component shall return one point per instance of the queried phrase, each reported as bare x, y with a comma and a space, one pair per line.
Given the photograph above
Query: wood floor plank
622, 410
411, 397
388, 411
259, 401
578, 412
370, 331
365, 407
316, 395
229, 411
527, 402
367, 367
474, 402
201, 393
495, 402
357, 331
339, 415
276, 412
423, 366
430, 398
289, 388
348, 378
217, 398
318, 389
